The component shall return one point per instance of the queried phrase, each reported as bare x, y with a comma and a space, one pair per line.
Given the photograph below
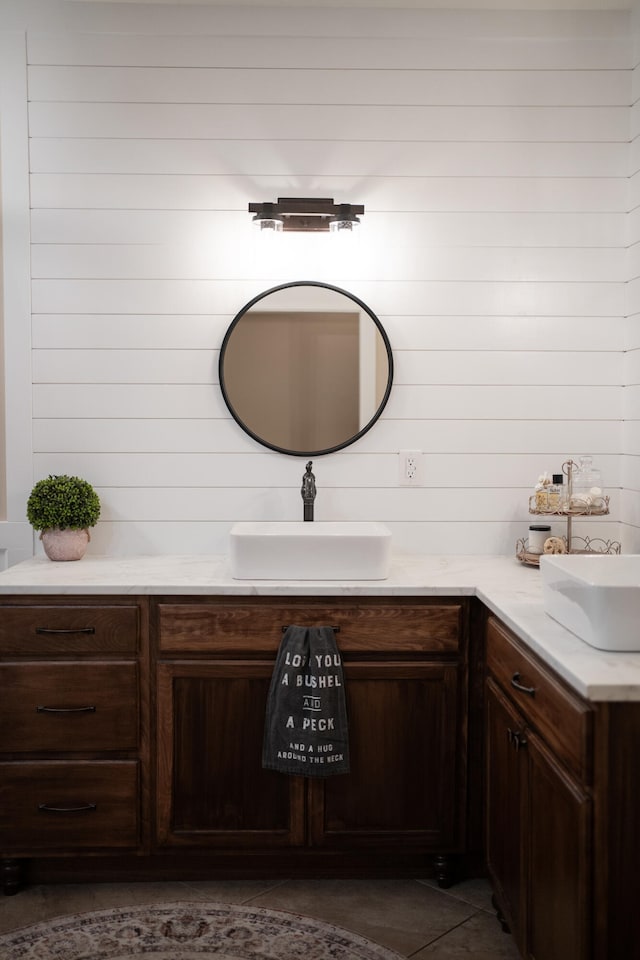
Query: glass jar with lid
586, 495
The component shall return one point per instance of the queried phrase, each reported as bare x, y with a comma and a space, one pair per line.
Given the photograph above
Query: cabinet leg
444, 871
11, 876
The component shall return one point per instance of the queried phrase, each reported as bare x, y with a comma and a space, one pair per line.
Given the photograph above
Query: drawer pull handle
335, 629
82, 808
45, 709
515, 682
51, 630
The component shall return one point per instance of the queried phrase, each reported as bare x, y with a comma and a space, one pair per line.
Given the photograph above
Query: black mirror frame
252, 303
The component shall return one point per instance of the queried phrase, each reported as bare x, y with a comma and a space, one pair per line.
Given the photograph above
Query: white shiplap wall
490, 151
630, 502
16, 470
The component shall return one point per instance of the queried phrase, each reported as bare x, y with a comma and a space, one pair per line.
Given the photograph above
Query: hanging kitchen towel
306, 729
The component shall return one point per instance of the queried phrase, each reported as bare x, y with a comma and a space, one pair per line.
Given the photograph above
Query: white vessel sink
310, 551
596, 597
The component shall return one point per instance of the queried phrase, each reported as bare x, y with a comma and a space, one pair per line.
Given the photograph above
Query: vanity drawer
87, 706
560, 716
256, 627
49, 630
62, 806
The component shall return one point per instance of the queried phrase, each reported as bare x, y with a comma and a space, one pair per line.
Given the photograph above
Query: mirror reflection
306, 368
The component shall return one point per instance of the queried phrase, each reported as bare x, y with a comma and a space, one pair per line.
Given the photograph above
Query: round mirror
306, 368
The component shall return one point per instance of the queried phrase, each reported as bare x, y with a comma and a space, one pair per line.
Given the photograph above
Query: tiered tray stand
569, 508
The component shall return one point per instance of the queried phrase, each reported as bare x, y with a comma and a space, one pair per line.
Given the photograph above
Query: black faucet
308, 491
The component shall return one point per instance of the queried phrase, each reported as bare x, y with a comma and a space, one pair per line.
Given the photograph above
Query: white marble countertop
511, 590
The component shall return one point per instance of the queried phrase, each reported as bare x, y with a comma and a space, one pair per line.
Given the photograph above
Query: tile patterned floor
413, 917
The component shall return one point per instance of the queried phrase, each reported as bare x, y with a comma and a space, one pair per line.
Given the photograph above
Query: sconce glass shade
267, 218
268, 223
344, 220
346, 226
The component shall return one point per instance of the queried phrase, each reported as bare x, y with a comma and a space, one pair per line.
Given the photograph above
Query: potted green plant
63, 508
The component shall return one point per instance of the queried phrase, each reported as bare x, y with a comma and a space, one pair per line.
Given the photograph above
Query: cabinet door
407, 752
505, 776
212, 790
558, 854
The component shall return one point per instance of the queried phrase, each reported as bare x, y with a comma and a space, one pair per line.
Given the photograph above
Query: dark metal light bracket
307, 214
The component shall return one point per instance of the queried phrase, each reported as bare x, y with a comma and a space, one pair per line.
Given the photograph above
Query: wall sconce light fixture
306, 215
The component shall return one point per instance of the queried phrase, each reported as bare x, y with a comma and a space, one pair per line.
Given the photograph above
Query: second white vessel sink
310, 551
597, 597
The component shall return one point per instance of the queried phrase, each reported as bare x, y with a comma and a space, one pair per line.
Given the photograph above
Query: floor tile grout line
192, 885
441, 936
276, 886
459, 899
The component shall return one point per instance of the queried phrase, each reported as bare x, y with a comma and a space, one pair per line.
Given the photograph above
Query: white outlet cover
410, 468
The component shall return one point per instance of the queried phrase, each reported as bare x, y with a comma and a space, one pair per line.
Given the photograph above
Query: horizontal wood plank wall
490, 151
630, 460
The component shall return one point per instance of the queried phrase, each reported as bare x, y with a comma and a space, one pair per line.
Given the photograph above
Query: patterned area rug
188, 931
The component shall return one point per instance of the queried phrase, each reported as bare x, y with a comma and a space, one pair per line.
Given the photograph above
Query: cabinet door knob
55, 808
515, 682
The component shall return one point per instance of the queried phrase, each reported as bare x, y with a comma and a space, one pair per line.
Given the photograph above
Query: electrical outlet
410, 468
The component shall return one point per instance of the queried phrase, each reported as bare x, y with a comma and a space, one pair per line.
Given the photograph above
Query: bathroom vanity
132, 717
135, 725
405, 679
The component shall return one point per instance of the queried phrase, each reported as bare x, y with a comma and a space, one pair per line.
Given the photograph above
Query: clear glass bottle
556, 492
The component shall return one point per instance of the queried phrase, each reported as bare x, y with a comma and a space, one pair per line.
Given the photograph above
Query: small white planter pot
65, 544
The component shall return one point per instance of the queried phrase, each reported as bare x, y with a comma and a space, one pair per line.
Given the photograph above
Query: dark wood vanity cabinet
539, 810
72, 742
131, 739
538, 839
406, 688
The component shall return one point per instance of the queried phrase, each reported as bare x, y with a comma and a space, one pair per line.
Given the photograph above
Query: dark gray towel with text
306, 730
